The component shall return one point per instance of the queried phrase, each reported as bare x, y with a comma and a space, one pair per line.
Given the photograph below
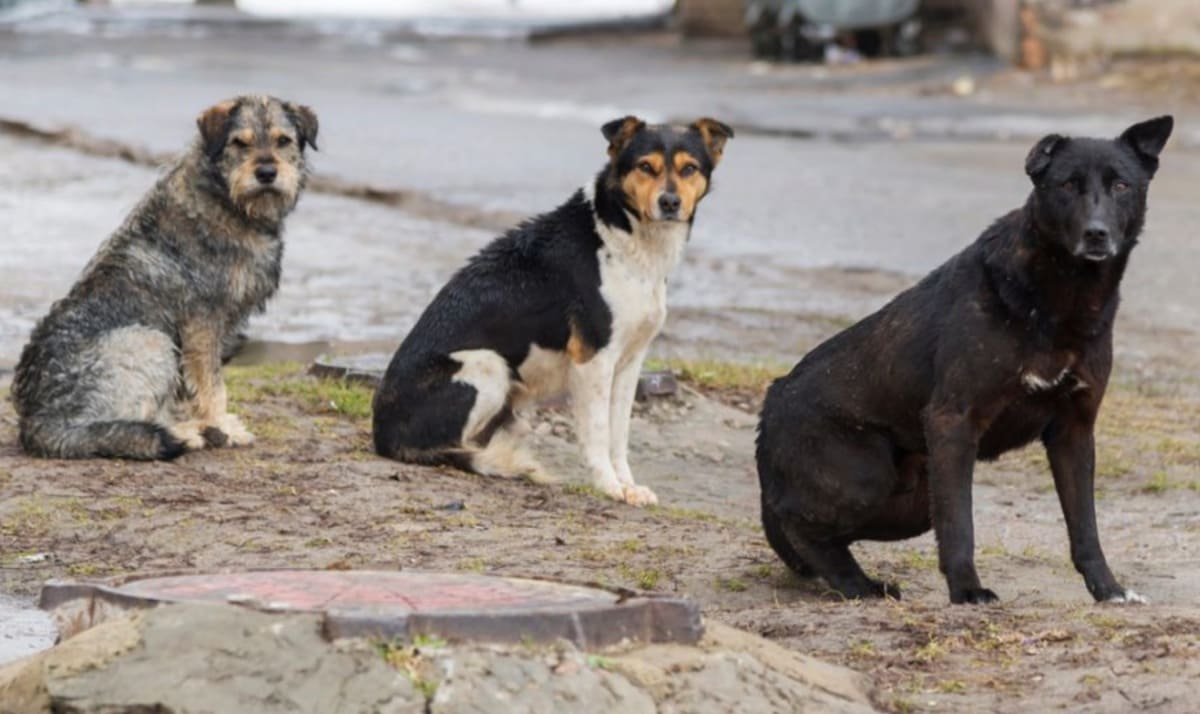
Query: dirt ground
311, 494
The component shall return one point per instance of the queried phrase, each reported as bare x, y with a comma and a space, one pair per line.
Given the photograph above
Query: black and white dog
568, 301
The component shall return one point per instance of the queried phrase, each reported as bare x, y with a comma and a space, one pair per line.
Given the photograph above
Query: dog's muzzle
1097, 243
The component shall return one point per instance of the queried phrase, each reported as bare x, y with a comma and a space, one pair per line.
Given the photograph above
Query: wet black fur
523, 289
873, 435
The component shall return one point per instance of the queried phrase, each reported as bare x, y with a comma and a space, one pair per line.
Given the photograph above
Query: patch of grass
919, 560
1157, 483
646, 579
83, 570
733, 585
584, 489
676, 513
716, 374
410, 661
931, 651
901, 705
952, 686
319, 542
473, 565
762, 571
863, 649
631, 545
599, 662
36, 515
287, 380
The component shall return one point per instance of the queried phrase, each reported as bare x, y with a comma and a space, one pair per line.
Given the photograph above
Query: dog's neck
655, 247
1066, 298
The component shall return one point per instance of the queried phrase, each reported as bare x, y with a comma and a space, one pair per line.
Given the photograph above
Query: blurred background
874, 139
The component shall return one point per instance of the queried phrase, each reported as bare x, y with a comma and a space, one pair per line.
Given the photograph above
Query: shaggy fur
127, 365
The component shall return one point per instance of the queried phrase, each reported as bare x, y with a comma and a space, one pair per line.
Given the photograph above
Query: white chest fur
633, 280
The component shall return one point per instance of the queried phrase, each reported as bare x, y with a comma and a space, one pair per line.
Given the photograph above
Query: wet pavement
23, 629
794, 223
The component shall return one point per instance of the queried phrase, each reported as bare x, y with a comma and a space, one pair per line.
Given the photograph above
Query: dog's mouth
1095, 251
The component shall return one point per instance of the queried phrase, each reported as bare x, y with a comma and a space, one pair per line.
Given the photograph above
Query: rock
220, 658
205, 658
733, 670
483, 681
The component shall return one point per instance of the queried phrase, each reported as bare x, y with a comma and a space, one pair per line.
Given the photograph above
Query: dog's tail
123, 439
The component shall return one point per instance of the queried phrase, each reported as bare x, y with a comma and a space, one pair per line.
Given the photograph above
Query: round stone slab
402, 604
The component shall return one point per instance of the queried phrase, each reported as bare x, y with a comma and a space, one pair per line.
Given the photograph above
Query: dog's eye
1120, 186
1068, 185
283, 141
645, 167
238, 143
687, 170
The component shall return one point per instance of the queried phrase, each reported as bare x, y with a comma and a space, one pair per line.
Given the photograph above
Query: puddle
24, 629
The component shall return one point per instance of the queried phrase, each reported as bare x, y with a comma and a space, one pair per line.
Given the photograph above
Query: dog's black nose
265, 173
669, 204
1095, 231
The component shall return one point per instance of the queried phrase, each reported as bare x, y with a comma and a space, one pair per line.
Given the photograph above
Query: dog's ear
1148, 138
618, 132
214, 124
306, 123
1039, 156
715, 134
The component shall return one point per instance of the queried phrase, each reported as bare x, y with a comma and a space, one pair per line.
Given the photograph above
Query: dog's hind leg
493, 435
779, 542
122, 391
834, 562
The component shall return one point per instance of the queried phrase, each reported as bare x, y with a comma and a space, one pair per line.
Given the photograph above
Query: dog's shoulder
560, 244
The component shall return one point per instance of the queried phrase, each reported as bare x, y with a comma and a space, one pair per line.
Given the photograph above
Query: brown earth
311, 494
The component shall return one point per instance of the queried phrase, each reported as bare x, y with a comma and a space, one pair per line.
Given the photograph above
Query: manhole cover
454, 606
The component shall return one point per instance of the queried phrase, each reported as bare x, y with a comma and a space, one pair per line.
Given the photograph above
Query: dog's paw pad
638, 496
1129, 597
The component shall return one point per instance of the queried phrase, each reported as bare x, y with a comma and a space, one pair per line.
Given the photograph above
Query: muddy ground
311, 494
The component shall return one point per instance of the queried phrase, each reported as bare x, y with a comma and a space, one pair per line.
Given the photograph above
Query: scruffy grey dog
128, 365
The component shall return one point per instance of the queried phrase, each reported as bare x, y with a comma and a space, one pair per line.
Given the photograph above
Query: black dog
874, 435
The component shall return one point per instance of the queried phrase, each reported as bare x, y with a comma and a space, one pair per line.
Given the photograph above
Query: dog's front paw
191, 433
1128, 597
228, 430
973, 596
636, 495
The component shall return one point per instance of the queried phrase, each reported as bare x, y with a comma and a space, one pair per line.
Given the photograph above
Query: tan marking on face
279, 132
643, 188
691, 187
578, 348
246, 136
